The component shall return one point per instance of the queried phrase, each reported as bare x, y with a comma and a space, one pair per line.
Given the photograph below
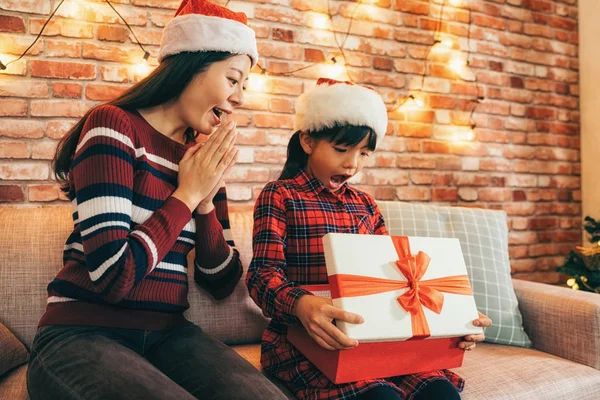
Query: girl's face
334, 164
212, 95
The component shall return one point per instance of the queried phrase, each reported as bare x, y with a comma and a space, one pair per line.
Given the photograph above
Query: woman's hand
317, 313
202, 167
470, 341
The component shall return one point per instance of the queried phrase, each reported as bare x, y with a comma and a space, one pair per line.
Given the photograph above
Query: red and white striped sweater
125, 261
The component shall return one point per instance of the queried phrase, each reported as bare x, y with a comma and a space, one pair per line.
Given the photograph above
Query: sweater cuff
211, 247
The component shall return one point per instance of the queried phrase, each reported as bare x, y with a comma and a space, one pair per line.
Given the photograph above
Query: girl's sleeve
217, 266
377, 218
267, 276
118, 256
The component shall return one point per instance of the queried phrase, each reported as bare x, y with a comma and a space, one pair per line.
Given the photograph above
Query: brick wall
524, 157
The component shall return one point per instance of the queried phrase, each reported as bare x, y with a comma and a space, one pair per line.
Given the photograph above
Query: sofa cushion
31, 241
13, 385
483, 236
236, 319
497, 372
12, 351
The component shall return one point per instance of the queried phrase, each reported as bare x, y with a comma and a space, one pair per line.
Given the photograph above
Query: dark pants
440, 389
87, 362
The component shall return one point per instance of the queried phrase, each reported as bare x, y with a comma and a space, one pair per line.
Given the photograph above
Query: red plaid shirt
290, 219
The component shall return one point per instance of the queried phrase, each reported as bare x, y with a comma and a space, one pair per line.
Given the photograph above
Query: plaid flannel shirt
290, 219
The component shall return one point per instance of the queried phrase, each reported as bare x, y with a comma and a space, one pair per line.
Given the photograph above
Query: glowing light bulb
319, 21
142, 69
575, 287
257, 83
457, 64
571, 281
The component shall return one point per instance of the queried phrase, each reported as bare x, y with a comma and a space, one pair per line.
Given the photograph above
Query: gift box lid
365, 278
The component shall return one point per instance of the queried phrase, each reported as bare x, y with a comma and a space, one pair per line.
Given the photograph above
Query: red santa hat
202, 26
333, 103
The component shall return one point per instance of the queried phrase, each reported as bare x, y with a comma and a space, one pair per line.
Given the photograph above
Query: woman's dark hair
345, 135
165, 83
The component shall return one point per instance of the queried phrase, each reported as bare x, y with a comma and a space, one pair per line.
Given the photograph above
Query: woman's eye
339, 150
233, 81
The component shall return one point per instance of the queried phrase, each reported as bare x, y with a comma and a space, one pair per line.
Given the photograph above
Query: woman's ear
307, 143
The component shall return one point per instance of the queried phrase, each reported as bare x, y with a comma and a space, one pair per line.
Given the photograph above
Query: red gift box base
378, 360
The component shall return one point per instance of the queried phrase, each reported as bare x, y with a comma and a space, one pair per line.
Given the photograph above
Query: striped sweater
125, 263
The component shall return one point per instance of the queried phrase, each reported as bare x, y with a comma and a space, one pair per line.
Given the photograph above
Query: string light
142, 69
337, 68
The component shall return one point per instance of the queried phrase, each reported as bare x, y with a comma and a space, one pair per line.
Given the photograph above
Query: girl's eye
366, 154
233, 81
339, 150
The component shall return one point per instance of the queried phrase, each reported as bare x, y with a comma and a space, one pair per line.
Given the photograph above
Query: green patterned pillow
483, 236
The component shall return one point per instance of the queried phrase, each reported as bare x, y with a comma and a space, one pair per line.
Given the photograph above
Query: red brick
47, 192
413, 193
14, 150
273, 121
386, 64
414, 130
13, 108
393, 177
24, 171
467, 194
73, 29
23, 88
284, 35
444, 194
412, 7
57, 129
247, 174
276, 155
541, 113
314, 55
112, 33
114, 73
103, 92
58, 108
421, 178
385, 193
8, 23
418, 162
471, 180
436, 147
67, 90
18, 128
385, 79
280, 51
62, 70
11, 194
281, 106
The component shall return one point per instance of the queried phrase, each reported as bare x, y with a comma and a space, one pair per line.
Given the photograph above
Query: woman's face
213, 94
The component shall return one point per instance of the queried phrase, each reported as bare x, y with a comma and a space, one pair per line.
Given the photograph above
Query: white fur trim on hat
325, 106
196, 32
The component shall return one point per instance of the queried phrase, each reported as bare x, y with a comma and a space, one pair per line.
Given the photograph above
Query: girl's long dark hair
345, 135
165, 83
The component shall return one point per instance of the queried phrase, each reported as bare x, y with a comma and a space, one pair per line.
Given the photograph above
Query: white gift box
375, 256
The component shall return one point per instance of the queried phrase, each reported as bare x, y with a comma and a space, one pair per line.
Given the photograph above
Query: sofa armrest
561, 321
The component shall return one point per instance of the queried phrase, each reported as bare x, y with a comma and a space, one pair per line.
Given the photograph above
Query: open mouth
218, 112
338, 180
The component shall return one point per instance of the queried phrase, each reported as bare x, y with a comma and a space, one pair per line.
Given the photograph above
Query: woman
143, 195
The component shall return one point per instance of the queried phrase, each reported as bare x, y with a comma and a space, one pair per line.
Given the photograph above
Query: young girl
143, 195
338, 127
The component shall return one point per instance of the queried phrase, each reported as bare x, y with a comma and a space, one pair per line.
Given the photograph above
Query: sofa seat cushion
508, 373
513, 373
13, 385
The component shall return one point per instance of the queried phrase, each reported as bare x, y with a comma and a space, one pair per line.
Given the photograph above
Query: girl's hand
317, 313
470, 341
202, 167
